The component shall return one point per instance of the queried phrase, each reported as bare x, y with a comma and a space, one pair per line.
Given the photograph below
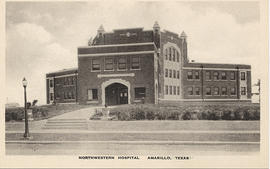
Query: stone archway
114, 83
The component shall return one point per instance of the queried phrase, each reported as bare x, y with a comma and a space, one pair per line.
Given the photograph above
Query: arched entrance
110, 82
116, 94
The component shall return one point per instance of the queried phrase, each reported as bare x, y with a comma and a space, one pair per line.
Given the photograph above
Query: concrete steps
66, 124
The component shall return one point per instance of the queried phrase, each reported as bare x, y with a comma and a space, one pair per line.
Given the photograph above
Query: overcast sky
43, 36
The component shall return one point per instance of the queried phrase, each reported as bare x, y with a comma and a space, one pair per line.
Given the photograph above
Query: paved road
130, 149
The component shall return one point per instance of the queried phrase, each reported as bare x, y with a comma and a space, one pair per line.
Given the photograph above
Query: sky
42, 37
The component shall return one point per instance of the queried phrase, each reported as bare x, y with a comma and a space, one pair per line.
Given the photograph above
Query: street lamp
26, 133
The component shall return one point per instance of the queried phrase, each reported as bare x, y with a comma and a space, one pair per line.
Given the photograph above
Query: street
131, 148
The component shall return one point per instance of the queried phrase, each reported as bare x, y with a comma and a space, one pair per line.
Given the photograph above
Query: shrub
16, 114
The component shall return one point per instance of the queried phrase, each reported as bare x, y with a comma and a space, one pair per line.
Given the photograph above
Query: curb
133, 142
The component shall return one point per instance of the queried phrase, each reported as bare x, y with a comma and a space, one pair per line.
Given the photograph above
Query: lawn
42, 112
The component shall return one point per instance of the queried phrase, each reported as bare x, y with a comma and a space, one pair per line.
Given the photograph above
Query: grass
42, 112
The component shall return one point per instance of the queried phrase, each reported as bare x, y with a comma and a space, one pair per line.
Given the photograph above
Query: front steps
77, 124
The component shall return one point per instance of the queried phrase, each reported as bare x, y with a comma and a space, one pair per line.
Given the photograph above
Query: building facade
129, 66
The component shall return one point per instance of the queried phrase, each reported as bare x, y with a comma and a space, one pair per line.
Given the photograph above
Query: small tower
183, 37
156, 27
100, 31
156, 31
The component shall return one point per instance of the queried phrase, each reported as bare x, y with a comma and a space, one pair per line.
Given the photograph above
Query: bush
16, 114
187, 112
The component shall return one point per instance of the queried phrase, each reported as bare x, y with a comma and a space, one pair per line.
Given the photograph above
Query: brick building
129, 66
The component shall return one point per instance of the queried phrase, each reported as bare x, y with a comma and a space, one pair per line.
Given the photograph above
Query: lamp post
26, 133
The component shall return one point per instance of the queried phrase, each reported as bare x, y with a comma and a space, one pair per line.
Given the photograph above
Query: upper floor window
174, 90
233, 91
170, 73
166, 90
190, 90
170, 54
135, 62
189, 75
108, 63
166, 72
178, 76
208, 75
174, 74
223, 91
196, 75
95, 64
170, 90
173, 55
166, 54
223, 75
177, 56
216, 91
51, 83
197, 91
232, 75
122, 63
243, 90
243, 76
215, 76
178, 90
208, 91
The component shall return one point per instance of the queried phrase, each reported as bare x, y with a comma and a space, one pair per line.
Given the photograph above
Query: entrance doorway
116, 94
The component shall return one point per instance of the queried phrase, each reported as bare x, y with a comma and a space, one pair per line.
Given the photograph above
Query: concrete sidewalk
85, 113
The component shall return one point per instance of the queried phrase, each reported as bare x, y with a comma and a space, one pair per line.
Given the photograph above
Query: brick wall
89, 80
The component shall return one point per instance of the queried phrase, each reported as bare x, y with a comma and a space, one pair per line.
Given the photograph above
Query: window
189, 75
196, 75
208, 91
174, 90
174, 74
177, 56
232, 75
166, 72
139, 92
208, 75
197, 91
65, 95
178, 76
243, 90
243, 76
51, 96
216, 91
95, 64
215, 76
190, 90
233, 91
108, 63
170, 90
170, 54
173, 55
170, 73
51, 83
166, 54
69, 95
57, 95
122, 63
178, 90
166, 90
135, 62
223, 91
72, 95
92, 94
223, 75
